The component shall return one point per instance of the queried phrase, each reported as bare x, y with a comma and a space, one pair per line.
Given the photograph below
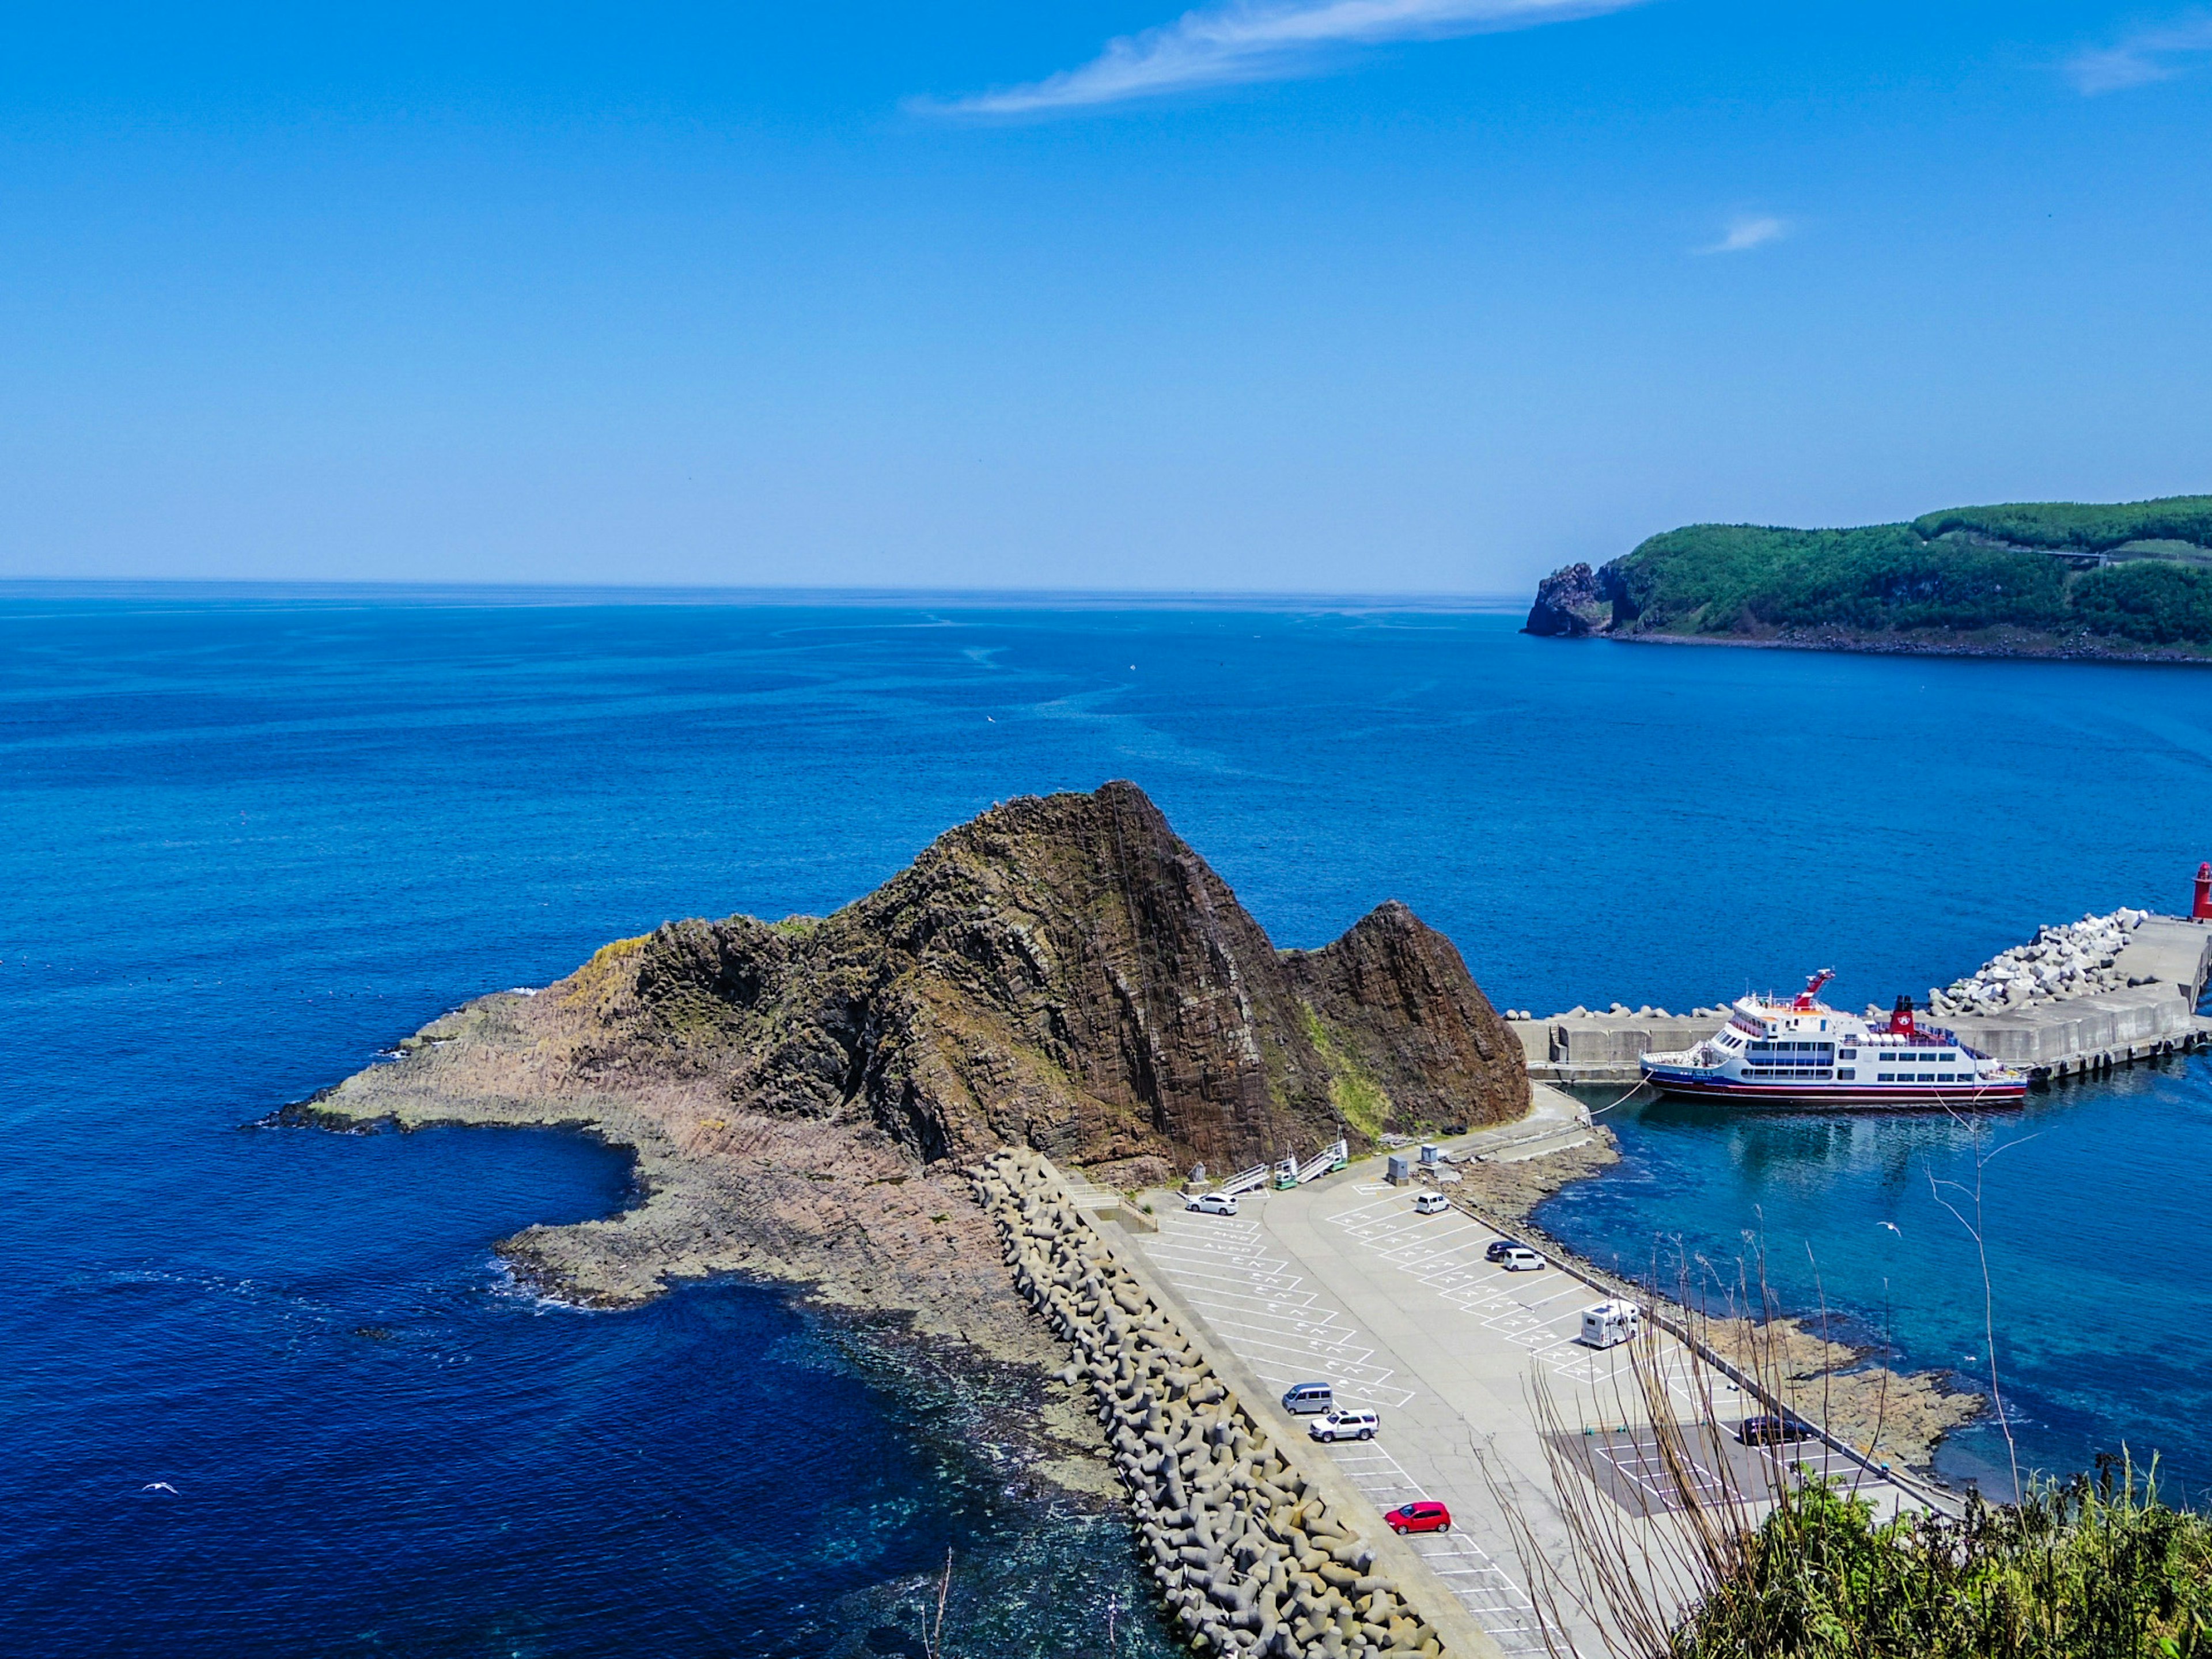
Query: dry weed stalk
1975, 1130
1633, 1566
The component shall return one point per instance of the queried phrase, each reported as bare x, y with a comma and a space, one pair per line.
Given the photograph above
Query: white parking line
1287, 1334
1444, 1252
1284, 1331
1485, 1589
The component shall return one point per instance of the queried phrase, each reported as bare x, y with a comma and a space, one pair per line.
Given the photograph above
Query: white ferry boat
1803, 1053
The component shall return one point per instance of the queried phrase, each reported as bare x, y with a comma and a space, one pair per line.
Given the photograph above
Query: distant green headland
2031, 578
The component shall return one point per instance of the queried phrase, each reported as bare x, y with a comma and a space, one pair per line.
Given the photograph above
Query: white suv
1345, 1423
1212, 1204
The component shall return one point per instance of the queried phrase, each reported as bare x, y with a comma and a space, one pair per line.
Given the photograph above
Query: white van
1346, 1423
1431, 1203
1610, 1324
1520, 1259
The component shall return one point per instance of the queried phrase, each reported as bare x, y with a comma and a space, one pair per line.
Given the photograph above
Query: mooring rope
1640, 1086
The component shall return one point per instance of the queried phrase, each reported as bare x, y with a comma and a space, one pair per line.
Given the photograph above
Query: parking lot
1286, 1330
1342, 1281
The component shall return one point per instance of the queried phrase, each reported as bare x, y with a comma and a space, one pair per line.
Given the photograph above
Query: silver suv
1346, 1423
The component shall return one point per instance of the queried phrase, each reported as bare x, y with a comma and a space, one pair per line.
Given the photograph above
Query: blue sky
1370, 296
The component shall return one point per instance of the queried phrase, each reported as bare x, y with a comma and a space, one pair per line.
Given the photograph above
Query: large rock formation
1571, 603
1063, 974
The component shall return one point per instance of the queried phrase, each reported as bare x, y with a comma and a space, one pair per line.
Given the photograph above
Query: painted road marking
1444, 1252
1284, 1331
1485, 1589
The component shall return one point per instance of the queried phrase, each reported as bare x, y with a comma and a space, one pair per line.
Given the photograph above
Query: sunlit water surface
248, 840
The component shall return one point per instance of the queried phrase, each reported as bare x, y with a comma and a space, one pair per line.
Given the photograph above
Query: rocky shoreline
1062, 973
2051, 649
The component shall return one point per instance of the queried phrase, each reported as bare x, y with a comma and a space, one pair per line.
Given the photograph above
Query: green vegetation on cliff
2086, 526
2116, 578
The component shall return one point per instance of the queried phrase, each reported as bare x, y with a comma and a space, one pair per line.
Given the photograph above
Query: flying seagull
1893, 1226
159, 1486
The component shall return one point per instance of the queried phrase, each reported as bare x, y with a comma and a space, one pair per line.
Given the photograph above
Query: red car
1421, 1517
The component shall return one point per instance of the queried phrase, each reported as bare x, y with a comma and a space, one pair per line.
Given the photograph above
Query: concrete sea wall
2102, 991
1248, 1554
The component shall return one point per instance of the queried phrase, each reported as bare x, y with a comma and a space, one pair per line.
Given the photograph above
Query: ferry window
1845, 1072
1928, 1077
1849, 1053
1947, 1059
1885, 1077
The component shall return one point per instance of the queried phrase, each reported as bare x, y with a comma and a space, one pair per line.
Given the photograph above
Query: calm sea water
248, 839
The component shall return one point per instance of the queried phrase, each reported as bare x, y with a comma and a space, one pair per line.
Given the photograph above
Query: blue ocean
267, 1390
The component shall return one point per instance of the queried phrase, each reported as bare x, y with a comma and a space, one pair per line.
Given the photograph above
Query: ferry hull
1983, 1096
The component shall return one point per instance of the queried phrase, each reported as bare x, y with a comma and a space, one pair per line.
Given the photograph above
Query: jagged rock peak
1571, 603
1065, 972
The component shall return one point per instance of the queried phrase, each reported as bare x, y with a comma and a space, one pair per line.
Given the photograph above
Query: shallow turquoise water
246, 841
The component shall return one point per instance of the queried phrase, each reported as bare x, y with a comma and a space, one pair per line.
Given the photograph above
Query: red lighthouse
2203, 910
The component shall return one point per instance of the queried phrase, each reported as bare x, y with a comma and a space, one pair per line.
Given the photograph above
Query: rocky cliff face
1063, 974
1572, 602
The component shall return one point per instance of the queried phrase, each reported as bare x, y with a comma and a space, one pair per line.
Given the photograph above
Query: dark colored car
1774, 1431
1498, 1247
1419, 1516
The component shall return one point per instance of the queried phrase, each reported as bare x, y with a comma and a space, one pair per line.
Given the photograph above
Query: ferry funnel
2204, 910
1901, 1018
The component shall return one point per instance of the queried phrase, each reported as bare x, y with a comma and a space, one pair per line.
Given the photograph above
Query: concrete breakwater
1250, 1555
2077, 999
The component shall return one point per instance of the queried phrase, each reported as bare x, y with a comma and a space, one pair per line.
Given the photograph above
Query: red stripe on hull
1994, 1094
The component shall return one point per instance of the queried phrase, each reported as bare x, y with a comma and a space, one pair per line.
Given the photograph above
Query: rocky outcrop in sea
1062, 973
1571, 603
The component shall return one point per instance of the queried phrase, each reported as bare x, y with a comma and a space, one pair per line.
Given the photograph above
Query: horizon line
764, 594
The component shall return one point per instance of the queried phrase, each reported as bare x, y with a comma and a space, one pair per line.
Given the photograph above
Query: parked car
1767, 1431
1346, 1423
1496, 1249
1212, 1204
1520, 1259
1303, 1398
1431, 1203
1421, 1516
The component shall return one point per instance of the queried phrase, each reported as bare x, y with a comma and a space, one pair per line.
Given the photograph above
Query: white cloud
2149, 55
1255, 40
1748, 231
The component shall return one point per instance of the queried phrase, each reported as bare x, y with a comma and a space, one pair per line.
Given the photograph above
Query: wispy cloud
1748, 231
2149, 55
1255, 40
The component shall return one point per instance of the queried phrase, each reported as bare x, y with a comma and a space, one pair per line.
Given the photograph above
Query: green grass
1359, 1100
2100, 1569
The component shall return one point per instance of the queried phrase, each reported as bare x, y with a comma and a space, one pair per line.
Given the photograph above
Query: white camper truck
1610, 1324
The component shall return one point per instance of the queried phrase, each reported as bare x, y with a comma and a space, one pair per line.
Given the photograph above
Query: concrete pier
2170, 957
